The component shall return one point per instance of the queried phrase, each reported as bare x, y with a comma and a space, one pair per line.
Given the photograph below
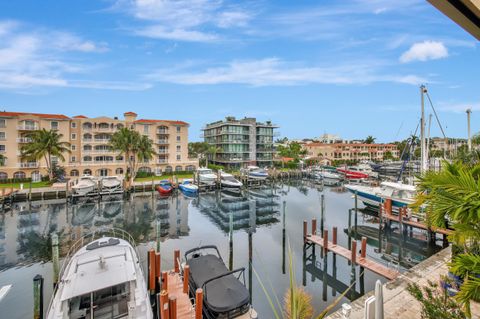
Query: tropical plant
197, 149
45, 144
369, 140
135, 147
212, 150
436, 303
292, 150
297, 302
454, 194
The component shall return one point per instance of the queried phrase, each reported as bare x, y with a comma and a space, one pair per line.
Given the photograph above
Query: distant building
329, 139
350, 151
89, 138
449, 145
240, 142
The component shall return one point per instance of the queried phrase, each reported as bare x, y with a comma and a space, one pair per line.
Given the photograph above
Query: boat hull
374, 201
164, 190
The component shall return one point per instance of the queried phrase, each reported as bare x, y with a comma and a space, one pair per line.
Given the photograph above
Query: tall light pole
469, 111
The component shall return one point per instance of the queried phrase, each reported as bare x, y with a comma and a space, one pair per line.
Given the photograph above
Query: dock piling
305, 227
176, 256
314, 226
55, 259
334, 234
186, 277
198, 303
363, 252
172, 305
163, 305
158, 272
325, 242
38, 297
164, 280
322, 210
151, 271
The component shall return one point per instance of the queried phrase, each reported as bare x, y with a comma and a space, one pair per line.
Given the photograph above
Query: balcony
162, 141
162, 152
161, 161
24, 140
28, 165
27, 127
162, 132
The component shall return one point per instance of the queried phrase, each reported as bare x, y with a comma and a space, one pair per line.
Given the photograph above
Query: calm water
177, 222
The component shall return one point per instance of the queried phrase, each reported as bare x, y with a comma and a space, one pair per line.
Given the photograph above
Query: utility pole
423, 166
469, 111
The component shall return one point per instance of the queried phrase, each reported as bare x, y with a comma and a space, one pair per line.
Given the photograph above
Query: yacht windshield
206, 171
107, 303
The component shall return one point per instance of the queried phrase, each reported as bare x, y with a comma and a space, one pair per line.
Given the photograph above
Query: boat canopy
95, 269
399, 186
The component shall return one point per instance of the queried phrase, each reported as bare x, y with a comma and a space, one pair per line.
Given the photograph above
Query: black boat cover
221, 295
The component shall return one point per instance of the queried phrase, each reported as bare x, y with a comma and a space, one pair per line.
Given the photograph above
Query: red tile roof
46, 116
80, 117
129, 113
161, 121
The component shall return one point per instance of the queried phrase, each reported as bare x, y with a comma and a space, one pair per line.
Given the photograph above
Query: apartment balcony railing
162, 132
162, 151
161, 161
98, 151
96, 163
24, 140
27, 127
29, 165
95, 140
162, 141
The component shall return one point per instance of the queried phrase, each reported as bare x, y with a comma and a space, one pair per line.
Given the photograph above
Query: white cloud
423, 51
34, 58
276, 72
183, 20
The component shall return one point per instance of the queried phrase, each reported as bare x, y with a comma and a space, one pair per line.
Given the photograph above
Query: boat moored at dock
101, 278
255, 172
165, 187
206, 176
84, 185
229, 181
188, 188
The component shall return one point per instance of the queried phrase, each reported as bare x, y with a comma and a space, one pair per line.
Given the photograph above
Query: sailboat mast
423, 163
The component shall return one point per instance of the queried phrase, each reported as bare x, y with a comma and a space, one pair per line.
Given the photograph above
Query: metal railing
27, 127
24, 140
28, 165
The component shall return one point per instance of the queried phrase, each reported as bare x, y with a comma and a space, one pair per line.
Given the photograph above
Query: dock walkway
351, 256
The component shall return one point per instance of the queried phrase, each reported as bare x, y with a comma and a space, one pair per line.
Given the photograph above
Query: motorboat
352, 174
206, 176
188, 188
111, 183
255, 172
228, 181
225, 295
101, 277
84, 185
400, 194
364, 168
165, 187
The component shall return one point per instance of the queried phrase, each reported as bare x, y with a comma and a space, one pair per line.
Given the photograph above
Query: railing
162, 151
24, 140
162, 132
28, 165
162, 141
27, 127
93, 163
161, 161
98, 151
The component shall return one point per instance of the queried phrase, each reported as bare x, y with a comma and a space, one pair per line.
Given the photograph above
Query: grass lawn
26, 185
164, 176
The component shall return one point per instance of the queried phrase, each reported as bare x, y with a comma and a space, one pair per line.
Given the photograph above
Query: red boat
165, 187
352, 174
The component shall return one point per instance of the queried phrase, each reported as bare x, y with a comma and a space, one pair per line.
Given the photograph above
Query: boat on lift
229, 181
400, 194
111, 183
206, 176
188, 188
101, 277
352, 174
84, 185
165, 187
255, 172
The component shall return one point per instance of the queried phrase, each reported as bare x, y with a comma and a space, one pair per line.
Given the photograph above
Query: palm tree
135, 148
212, 150
369, 140
454, 194
45, 144
3, 158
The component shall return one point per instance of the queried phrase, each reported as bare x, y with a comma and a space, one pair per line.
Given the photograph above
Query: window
178, 138
119, 171
54, 125
178, 129
2, 136
87, 172
19, 175
74, 158
3, 123
74, 172
2, 148
178, 148
145, 129
74, 136
3, 176
87, 158
179, 157
73, 147
73, 125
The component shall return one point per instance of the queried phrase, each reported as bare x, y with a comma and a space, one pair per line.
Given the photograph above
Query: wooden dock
351, 255
175, 290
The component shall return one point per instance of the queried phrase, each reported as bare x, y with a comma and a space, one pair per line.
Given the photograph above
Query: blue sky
346, 67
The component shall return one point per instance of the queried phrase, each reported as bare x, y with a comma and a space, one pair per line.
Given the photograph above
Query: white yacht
401, 194
102, 279
111, 183
206, 176
228, 181
255, 172
84, 185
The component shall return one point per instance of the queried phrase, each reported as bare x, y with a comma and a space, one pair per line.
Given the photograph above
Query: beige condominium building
90, 149
350, 151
